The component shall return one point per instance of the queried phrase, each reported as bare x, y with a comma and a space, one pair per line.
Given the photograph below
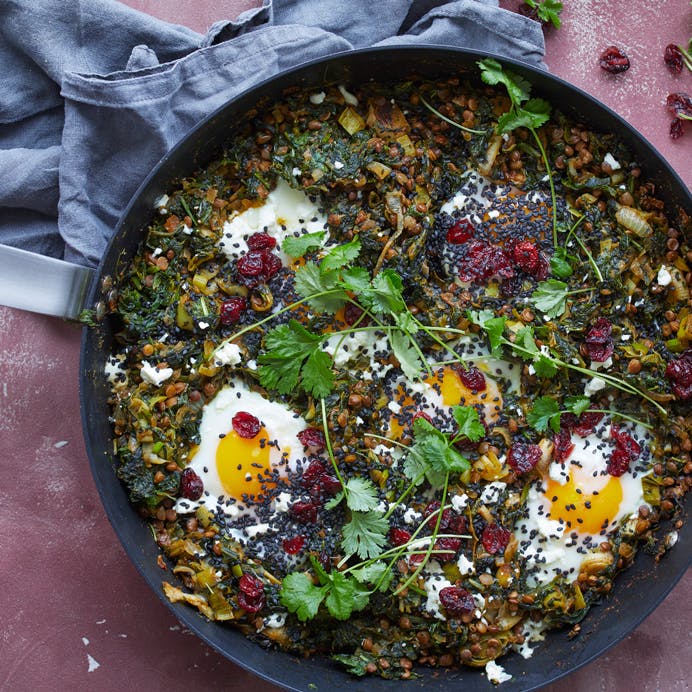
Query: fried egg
238, 471
285, 212
578, 506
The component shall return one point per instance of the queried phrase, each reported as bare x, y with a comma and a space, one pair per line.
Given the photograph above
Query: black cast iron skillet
638, 591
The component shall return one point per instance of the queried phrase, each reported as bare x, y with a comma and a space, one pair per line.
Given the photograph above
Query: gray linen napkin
93, 93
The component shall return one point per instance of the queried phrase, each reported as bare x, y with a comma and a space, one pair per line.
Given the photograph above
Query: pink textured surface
75, 613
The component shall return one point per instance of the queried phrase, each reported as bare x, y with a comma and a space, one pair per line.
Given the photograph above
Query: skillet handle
37, 283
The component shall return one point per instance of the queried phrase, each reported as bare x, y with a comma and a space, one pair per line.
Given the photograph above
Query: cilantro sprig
545, 363
525, 111
347, 589
546, 412
547, 11
550, 296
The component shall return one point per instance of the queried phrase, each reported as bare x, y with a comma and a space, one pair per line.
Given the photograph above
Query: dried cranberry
272, 265
523, 457
587, 423
482, 260
457, 601
672, 57
598, 343
313, 438
679, 372
416, 559
246, 425
399, 536
250, 593
312, 473
677, 129
614, 61
304, 512
353, 313
619, 462
191, 485
458, 524
329, 484
679, 103
626, 451
432, 509
447, 547
261, 241
252, 263
461, 231
293, 545
495, 538
472, 378
562, 445
250, 585
232, 309
526, 256
423, 415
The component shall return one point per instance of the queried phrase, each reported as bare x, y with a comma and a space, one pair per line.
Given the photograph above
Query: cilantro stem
631, 419
433, 538
330, 451
551, 182
589, 257
432, 109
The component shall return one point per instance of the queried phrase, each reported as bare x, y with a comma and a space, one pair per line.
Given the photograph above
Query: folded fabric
94, 93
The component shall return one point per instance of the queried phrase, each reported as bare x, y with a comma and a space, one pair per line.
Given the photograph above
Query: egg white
551, 548
282, 426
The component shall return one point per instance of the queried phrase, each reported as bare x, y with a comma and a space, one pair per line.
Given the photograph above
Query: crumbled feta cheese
275, 620
228, 354
394, 407
495, 673
282, 503
411, 516
664, 276
610, 160
558, 473
595, 384
605, 365
203, 325
465, 565
154, 375
491, 492
338, 165
459, 502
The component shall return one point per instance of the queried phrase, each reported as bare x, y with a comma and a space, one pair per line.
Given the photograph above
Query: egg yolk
244, 464
453, 392
583, 510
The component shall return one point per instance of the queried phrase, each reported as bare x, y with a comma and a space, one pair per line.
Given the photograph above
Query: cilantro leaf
373, 573
493, 73
409, 359
355, 279
494, 327
525, 343
547, 10
577, 404
340, 255
293, 357
407, 323
317, 375
560, 263
310, 281
300, 596
344, 596
385, 293
534, 114
432, 454
551, 297
361, 494
469, 423
545, 366
297, 247
545, 412
365, 534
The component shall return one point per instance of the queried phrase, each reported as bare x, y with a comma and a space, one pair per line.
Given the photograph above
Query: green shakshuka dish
404, 376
